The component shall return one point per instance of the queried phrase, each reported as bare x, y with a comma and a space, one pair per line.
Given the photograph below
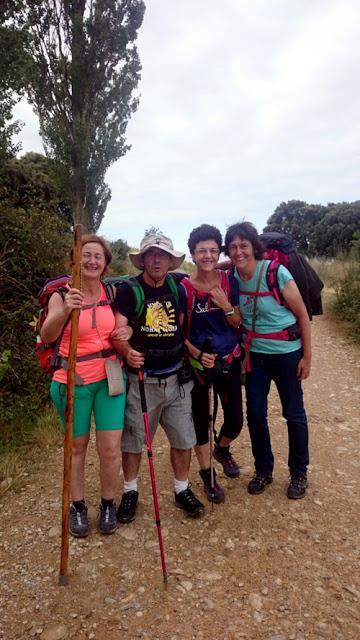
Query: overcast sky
244, 104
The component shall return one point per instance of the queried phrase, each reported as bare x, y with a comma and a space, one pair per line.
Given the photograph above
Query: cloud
243, 105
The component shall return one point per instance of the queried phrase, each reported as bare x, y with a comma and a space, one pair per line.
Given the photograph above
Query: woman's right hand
73, 299
208, 360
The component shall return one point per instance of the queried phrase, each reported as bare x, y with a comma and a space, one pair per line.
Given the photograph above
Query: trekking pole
207, 348
152, 472
69, 411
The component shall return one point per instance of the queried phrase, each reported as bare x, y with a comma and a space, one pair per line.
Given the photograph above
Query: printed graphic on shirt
160, 318
204, 306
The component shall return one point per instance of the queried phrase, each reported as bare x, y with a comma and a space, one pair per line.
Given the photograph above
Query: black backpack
281, 248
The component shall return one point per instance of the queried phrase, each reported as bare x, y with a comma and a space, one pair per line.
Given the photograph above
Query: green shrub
347, 301
34, 241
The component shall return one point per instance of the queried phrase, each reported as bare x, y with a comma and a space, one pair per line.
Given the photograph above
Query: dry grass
19, 454
47, 432
331, 271
12, 469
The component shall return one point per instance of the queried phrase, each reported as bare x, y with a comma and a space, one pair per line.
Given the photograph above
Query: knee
231, 431
108, 453
79, 446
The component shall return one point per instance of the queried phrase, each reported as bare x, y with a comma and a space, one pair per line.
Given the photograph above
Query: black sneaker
78, 522
259, 483
297, 487
229, 464
127, 508
187, 501
107, 518
216, 493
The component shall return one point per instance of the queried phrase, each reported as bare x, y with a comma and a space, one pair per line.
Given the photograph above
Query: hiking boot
216, 493
297, 487
107, 518
127, 508
229, 464
259, 483
187, 501
78, 522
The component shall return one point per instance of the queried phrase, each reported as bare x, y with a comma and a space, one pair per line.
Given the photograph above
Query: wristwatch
231, 312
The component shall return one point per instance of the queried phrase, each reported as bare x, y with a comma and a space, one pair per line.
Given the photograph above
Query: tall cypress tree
84, 73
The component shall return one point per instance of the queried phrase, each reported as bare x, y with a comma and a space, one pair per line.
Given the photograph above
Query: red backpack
47, 352
281, 248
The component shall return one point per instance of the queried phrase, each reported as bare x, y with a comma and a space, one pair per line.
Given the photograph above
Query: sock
130, 485
180, 485
79, 505
107, 502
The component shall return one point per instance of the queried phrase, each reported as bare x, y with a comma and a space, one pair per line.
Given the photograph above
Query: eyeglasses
204, 252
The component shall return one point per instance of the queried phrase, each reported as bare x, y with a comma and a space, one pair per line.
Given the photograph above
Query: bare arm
207, 359
293, 298
134, 358
122, 331
59, 310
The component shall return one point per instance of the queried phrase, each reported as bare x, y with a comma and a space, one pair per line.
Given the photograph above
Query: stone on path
255, 601
55, 631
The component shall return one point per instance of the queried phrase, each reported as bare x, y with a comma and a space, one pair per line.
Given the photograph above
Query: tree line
320, 230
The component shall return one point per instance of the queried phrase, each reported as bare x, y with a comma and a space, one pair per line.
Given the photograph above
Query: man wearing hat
156, 347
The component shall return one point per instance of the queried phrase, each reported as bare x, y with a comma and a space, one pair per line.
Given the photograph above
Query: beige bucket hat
157, 241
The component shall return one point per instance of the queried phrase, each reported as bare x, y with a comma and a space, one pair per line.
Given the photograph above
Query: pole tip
165, 580
63, 581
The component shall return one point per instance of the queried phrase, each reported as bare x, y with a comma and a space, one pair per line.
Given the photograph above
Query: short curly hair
245, 231
204, 232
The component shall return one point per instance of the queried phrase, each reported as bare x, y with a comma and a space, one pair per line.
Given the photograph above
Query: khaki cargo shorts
166, 406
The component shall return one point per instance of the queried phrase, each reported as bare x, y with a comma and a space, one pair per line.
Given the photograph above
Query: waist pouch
115, 377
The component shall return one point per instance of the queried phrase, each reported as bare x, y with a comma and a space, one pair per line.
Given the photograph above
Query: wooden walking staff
69, 412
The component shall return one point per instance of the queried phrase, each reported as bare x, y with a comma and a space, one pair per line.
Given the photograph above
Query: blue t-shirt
270, 316
207, 320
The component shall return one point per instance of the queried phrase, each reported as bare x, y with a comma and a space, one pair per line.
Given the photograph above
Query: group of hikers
180, 331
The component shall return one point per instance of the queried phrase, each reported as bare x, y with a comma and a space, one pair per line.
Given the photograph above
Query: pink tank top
95, 327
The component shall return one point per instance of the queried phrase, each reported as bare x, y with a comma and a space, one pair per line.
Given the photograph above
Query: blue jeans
281, 368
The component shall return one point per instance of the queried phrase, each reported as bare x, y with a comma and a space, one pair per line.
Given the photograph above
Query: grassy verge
341, 296
22, 445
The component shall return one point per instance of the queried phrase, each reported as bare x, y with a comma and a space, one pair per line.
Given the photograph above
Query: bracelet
230, 313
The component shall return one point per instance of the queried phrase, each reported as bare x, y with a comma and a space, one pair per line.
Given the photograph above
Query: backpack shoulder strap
110, 291
173, 287
139, 295
190, 300
225, 283
272, 281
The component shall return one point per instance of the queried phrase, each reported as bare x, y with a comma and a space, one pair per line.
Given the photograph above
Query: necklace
92, 296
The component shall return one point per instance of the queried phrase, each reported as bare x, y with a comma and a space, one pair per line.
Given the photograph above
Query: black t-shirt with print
157, 331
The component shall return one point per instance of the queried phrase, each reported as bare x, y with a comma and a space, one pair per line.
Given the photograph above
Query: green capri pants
90, 399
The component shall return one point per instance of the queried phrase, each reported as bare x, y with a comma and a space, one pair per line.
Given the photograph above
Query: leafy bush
34, 241
347, 302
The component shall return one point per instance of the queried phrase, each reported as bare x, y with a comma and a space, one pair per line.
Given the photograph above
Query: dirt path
256, 568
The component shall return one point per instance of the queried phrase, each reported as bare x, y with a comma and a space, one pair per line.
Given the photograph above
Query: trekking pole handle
206, 347
142, 391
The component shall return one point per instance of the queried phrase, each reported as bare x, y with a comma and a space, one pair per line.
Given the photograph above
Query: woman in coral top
97, 326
